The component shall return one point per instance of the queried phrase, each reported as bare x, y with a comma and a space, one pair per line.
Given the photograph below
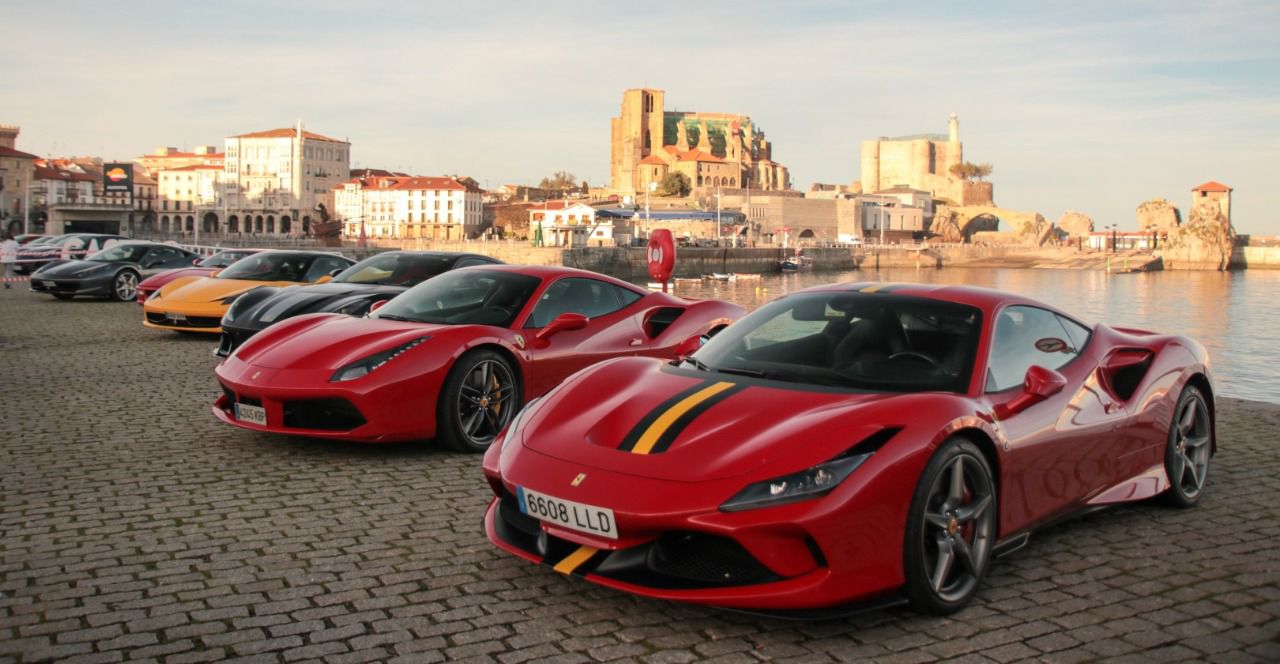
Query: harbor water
1236, 315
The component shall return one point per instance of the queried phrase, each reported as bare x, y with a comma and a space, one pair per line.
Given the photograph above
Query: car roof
305, 252
986, 299
550, 271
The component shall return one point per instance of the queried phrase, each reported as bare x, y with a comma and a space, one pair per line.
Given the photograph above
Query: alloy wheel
485, 401
958, 526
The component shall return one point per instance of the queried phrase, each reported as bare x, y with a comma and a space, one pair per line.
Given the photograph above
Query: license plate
251, 414
173, 315
575, 516
48, 284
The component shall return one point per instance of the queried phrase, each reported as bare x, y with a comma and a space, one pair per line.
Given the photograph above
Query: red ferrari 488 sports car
860, 444
453, 357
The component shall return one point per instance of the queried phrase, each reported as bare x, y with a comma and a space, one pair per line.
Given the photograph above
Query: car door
1061, 450
611, 330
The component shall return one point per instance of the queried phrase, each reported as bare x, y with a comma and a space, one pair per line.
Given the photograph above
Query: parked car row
859, 444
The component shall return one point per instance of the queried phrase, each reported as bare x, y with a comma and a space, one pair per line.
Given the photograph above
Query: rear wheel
124, 287
479, 397
1186, 457
950, 529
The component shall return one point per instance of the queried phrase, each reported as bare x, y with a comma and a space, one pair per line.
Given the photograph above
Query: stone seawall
630, 263
1265, 258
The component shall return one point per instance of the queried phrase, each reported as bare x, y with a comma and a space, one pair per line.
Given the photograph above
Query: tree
675, 183
559, 181
971, 171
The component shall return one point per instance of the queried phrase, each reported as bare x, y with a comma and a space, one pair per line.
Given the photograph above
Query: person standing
8, 256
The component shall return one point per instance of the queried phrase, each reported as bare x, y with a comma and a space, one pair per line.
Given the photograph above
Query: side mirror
690, 346
562, 323
377, 305
195, 261
1039, 384
337, 271
323, 279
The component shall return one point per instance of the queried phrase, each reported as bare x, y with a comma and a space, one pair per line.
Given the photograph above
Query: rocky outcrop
946, 225
1159, 215
958, 224
1075, 224
1205, 242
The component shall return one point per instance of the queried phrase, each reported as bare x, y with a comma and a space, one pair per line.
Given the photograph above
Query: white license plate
575, 516
251, 414
49, 284
173, 315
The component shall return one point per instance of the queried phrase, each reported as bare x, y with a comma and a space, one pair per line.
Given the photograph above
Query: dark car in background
113, 272
353, 292
39, 253
205, 267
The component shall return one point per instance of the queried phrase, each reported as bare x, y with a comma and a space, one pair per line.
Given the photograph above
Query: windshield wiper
399, 318
698, 364
754, 373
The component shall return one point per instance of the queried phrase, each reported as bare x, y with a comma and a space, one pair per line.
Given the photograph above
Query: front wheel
124, 288
950, 529
479, 397
1189, 447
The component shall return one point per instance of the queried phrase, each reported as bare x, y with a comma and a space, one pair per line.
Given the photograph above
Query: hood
330, 342
701, 425
210, 290
161, 278
74, 268
295, 300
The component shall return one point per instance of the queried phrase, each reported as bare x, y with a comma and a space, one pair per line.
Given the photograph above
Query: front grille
510, 512
196, 322
231, 339
326, 414
707, 559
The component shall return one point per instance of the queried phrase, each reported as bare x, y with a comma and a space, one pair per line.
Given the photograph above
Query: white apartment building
188, 195
277, 178
435, 208
567, 224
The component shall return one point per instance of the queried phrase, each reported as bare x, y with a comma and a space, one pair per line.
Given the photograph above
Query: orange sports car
196, 304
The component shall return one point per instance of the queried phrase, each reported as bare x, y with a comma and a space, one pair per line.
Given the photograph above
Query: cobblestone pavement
136, 527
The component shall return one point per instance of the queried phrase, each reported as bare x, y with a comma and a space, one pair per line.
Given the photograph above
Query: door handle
637, 341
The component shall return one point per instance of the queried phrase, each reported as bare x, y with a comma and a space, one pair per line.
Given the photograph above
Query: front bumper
304, 403
675, 544
92, 286
185, 317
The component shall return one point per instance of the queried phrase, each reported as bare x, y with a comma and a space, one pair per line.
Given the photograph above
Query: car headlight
368, 364
813, 482
513, 427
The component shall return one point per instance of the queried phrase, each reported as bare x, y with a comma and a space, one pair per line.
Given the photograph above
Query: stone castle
922, 162
712, 149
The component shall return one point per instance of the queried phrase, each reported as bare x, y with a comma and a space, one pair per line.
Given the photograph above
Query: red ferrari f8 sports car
852, 444
453, 357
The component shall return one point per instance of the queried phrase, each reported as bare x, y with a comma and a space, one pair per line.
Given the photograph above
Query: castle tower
953, 129
636, 133
1216, 192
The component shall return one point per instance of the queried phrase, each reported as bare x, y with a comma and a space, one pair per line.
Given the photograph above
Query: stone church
712, 149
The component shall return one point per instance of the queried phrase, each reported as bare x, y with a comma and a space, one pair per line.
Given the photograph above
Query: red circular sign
661, 255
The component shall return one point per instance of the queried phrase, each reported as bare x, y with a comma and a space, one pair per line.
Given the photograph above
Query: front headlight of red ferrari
513, 427
367, 364
810, 483
813, 482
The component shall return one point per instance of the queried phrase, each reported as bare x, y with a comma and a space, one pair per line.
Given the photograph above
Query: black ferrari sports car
353, 292
113, 272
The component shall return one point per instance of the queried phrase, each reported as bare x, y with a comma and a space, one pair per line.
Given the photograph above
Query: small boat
719, 276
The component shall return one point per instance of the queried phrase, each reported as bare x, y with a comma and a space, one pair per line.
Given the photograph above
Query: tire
124, 287
479, 397
1189, 449
950, 529
62, 296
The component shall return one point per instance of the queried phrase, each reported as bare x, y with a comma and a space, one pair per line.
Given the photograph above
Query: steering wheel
917, 355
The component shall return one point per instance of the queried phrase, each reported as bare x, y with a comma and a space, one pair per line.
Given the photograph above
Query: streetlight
717, 215
653, 186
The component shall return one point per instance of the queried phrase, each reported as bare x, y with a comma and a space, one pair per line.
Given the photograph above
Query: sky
1086, 106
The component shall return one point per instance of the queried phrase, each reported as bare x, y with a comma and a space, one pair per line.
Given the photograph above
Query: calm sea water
1236, 315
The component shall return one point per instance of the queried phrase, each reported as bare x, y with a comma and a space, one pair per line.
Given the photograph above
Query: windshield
849, 339
395, 269
224, 258
129, 253
464, 297
46, 239
269, 266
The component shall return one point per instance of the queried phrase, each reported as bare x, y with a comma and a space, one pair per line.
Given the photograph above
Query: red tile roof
557, 205
46, 173
184, 155
434, 183
195, 167
1213, 186
699, 155
16, 154
288, 132
653, 160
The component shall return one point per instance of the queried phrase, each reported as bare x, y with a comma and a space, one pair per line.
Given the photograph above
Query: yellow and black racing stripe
657, 430
580, 561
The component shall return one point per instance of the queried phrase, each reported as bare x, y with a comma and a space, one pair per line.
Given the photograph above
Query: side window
1026, 336
626, 296
1078, 333
588, 297
164, 256
324, 265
